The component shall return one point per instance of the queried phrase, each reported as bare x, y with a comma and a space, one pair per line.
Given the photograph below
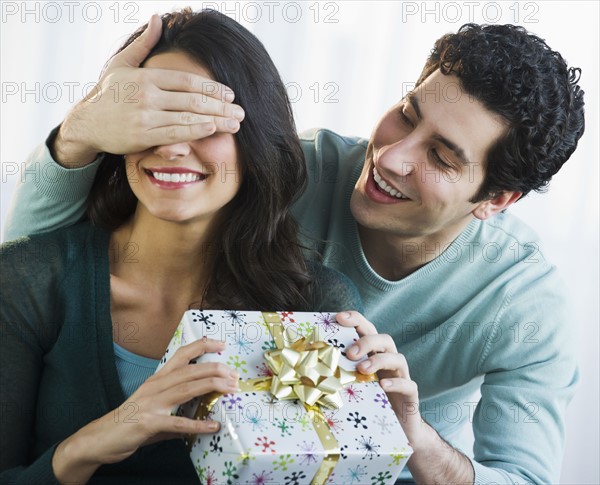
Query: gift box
303, 414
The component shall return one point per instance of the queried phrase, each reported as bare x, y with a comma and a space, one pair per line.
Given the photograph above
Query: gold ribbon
291, 364
304, 369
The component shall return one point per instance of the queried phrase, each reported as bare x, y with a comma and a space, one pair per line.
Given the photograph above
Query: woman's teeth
177, 177
385, 187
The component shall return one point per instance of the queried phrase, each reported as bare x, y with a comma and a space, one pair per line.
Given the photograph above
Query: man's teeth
176, 177
387, 188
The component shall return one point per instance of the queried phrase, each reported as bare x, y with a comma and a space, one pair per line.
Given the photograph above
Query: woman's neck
165, 257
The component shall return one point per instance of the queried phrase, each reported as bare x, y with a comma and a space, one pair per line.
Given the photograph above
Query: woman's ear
488, 208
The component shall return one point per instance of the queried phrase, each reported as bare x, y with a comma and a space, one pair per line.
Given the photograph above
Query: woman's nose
173, 152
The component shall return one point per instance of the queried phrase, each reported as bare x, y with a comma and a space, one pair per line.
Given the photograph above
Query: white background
345, 63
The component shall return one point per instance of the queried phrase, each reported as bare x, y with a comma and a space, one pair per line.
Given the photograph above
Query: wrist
434, 460
72, 463
426, 440
69, 149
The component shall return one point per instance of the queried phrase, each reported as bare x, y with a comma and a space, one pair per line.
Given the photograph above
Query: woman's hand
146, 416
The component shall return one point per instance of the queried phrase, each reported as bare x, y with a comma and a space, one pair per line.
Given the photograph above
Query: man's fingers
162, 125
135, 53
200, 103
393, 362
177, 134
400, 385
357, 320
371, 344
181, 81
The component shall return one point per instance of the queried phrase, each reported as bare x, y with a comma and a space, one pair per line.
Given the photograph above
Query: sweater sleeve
530, 368
48, 196
25, 336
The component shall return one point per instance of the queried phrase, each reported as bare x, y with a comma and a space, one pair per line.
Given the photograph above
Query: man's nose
174, 151
399, 158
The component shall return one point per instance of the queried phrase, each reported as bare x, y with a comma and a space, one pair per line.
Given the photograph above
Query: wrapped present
303, 414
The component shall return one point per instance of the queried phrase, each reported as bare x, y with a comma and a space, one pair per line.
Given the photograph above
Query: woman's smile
174, 177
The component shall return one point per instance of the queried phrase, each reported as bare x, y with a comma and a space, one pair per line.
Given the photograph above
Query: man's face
424, 162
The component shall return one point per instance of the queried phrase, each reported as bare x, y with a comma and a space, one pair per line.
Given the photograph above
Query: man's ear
487, 208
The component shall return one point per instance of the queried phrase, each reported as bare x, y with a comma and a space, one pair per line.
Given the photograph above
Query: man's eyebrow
458, 151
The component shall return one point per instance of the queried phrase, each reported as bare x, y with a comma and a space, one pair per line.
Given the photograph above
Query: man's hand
433, 460
132, 109
391, 368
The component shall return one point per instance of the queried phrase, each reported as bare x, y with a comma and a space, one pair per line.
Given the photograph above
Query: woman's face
189, 181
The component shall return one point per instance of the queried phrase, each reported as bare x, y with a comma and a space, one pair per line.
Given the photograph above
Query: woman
89, 310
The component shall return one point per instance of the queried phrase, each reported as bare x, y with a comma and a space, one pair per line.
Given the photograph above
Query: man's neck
395, 257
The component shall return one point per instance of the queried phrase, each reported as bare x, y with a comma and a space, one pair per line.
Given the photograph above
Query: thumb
135, 53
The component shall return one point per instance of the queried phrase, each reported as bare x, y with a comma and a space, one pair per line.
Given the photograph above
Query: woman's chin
174, 216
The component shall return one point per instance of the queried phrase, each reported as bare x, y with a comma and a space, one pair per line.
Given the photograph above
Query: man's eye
438, 160
405, 119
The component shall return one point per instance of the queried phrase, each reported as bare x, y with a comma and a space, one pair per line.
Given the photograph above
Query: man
459, 296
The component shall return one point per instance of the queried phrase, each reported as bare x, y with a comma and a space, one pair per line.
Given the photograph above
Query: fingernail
238, 113
233, 124
212, 425
353, 350
365, 364
345, 315
234, 375
385, 383
228, 95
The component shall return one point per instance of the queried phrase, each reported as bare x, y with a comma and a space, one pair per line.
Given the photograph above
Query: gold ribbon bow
305, 368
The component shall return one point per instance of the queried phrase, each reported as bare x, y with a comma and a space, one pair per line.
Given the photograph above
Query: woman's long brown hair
256, 261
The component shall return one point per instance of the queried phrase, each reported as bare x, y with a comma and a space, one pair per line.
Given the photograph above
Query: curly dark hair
515, 74
255, 260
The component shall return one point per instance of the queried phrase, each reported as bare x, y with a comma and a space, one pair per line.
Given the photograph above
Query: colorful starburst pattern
358, 420
231, 401
283, 462
308, 453
381, 478
328, 323
397, 457
383, 423
283, 426
230, 472
382, 399
295, 478
263, 478
352, 393
368, 447
237, 363
267, 445
253, 416
287, 316
355, 475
